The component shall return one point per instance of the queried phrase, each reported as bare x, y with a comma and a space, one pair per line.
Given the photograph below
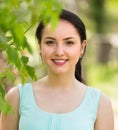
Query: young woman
59, 101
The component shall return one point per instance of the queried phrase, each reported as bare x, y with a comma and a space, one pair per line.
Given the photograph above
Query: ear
83, 45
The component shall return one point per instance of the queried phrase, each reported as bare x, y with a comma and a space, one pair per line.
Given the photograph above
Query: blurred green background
100, 63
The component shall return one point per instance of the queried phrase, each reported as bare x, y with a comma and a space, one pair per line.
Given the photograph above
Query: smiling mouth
59, 61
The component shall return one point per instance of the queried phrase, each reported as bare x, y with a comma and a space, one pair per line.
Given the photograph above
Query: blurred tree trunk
98, 14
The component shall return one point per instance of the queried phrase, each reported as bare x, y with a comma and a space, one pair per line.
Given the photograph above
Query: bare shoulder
10, 121
12, 97
105, 118
104, 104
104, 100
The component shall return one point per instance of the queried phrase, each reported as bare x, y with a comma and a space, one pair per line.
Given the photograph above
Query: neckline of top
59, 114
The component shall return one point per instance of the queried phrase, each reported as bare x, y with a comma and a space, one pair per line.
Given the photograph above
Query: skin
61, 45
60, 50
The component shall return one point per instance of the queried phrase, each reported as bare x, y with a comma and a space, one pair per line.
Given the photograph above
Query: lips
59, 61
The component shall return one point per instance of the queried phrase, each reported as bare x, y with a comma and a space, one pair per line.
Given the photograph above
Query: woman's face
61, 48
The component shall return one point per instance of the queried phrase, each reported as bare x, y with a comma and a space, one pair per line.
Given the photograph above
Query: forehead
63, 28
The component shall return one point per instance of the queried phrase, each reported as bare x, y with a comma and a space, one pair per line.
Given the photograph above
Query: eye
50, 42
69, 42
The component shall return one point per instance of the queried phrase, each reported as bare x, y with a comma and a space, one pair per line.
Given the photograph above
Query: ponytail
78, 74
78, 71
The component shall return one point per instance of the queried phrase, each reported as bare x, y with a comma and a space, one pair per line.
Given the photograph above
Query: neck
61, 81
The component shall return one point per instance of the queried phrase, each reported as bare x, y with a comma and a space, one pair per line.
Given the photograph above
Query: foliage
16, 18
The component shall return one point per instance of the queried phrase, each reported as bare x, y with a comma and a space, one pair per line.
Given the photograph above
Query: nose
59, 50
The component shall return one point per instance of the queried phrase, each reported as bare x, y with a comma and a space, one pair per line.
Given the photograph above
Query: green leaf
7, 19
2, 90
2, 46
9, 38
10, 76
19, 37
24, 60
23, 74
31, 72
27, 45
27, 71
4, 106
13, 56
3, 39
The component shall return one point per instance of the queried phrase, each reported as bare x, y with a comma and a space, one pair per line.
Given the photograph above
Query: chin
59, 71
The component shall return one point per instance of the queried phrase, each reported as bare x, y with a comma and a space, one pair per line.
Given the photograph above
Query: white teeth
60, 61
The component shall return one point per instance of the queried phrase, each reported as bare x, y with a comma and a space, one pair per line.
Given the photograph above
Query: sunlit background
100, 63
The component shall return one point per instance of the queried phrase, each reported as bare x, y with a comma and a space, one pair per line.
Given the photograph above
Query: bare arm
10, 121
105, 118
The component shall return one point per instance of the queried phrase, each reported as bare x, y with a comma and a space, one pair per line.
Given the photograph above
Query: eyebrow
63, 39
68, 38
50, 38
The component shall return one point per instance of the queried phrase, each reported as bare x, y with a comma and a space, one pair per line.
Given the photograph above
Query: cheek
75, 56
75, 53
45, 53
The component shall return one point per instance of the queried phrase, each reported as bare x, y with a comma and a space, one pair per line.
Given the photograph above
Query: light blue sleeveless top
34, 118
